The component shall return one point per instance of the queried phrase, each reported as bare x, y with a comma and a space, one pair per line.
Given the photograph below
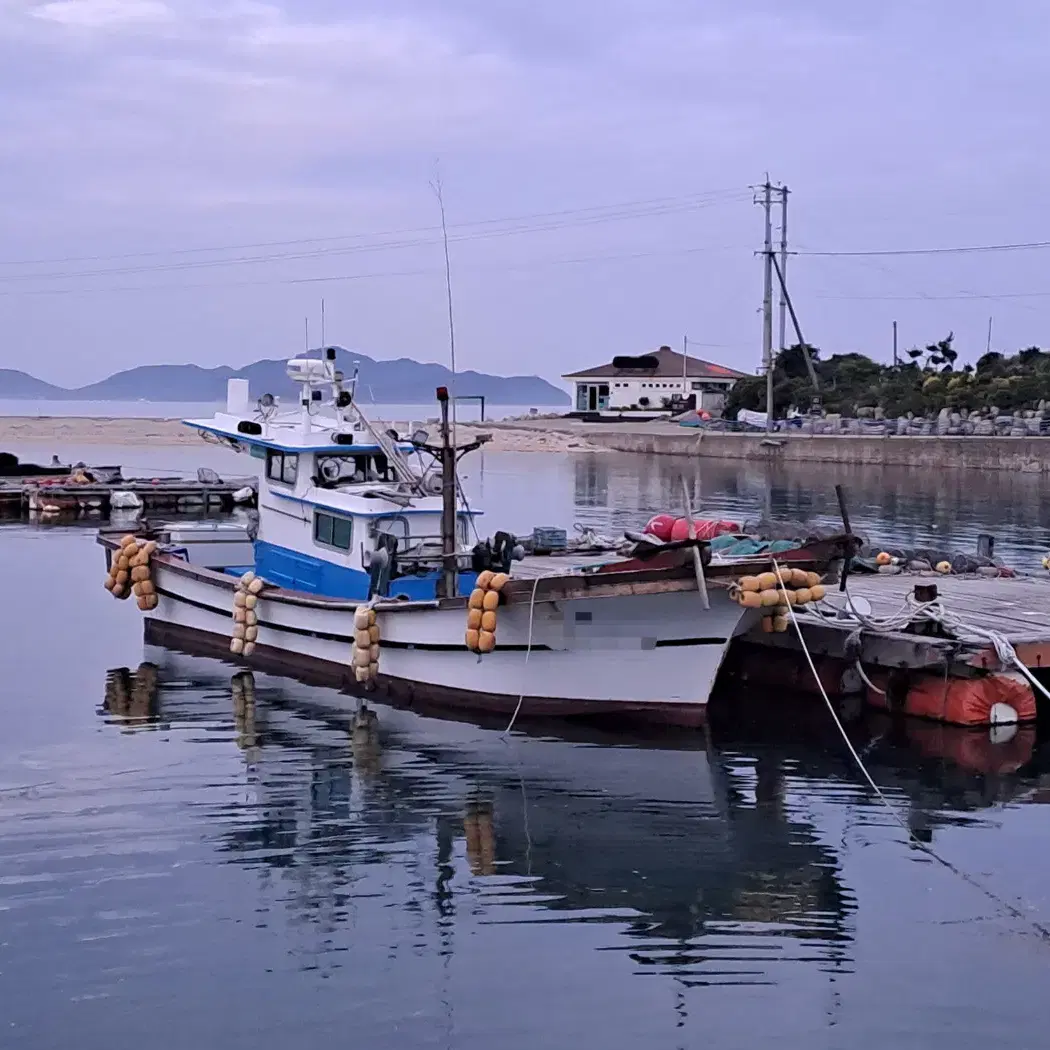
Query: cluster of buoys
671, 529
245, 614
481, 611
365, 650
765, 592
129, 572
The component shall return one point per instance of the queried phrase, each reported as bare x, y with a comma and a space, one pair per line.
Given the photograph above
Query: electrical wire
710, 196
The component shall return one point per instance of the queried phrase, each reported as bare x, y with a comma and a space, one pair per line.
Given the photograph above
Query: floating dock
944, 671
44, 497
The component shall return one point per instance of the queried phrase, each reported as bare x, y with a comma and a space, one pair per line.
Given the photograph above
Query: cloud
103, 14
142, 125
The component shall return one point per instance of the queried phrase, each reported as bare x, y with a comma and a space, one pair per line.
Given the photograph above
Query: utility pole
783, 191
988, 344
685, 366
767, 300
894, 344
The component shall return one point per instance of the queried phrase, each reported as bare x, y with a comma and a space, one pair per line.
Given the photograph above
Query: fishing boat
364, 574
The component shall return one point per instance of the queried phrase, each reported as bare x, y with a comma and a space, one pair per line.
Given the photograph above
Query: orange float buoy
487, 642
770, 597
750, 599
477, 599
490, 601
488, 621
474, 617
1003, 698
882, 558
472, 639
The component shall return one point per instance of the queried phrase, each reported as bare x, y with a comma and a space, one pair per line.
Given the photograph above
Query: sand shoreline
58, 432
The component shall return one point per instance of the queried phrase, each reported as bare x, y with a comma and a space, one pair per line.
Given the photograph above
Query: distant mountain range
402, 381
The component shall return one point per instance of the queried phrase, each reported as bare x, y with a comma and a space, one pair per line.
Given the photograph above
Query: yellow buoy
498, 582
139, 573
490, 601
249, 648
477, 599
770, 596
488, 621
882, 558
786, 597
362, 639
122, 577
750, 599
240, 600
143, 603
128, 540
373, 634
473, 637
799, 577
373, 654
147, 587
361, 658
767, 624
487, 642
944, 567
109, 583
251, 617
239, 615
257, 585
780, 623
250, 602
251, 633
474, 619
361, 622
236, 646
803, 595
484, 579
812, 579
239, 631
817, 592
767, 580
749, 583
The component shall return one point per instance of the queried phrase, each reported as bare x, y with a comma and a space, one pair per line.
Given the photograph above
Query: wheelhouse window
334, 471
282, 466
333, 531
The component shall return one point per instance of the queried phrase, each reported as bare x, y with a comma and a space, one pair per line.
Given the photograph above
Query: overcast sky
596, 158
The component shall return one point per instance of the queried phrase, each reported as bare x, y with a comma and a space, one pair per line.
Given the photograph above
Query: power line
375, 275
361, 248
593, 212
937, 298
958, 250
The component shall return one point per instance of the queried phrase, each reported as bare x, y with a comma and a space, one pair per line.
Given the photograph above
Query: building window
282, 466
332, 531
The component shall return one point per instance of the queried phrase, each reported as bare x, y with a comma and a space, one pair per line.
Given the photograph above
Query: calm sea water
467, 410
191, 860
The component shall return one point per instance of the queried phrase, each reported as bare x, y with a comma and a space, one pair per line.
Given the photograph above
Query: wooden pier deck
26, 497
1017, 607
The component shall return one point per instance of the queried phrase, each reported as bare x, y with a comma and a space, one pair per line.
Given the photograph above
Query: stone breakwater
1023, 454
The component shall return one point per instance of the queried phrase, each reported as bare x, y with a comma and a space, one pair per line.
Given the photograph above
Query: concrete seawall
1022, 454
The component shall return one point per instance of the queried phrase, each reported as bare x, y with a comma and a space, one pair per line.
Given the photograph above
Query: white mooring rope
1014, 910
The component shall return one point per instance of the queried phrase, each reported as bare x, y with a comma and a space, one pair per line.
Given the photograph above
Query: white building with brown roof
650, 382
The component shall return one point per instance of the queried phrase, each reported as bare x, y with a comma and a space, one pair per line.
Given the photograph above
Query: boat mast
448, 501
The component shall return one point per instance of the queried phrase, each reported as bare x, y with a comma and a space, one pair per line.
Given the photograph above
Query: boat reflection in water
697, 851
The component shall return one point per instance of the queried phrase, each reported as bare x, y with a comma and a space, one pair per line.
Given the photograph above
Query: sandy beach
61, 431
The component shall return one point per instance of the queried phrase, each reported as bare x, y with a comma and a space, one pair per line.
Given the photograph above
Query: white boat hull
651, 656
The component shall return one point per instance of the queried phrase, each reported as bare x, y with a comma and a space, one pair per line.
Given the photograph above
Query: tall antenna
306, 320
436, 186
322, 328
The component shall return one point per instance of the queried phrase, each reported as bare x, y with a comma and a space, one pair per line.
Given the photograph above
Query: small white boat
351, 515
